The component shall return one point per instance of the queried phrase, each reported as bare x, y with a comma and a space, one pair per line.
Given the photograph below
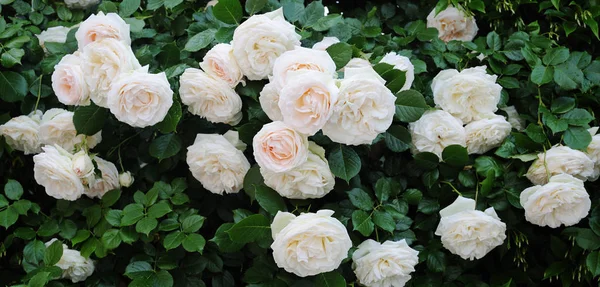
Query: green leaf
410, 106
341, 54
362, 222
111, 239
535, 133
202, 39
269, 199
138, 269
34, 251
436, 261
455, 155
428, 206
344, 162
128, 7
145, 225
567, 76
174, 239
132, 213
194, 243
111, 197
361, 199
159, 210
493, 41
292, 9
249, 229
312, 13
223, 240
154, 4
327, 22
169, 124
13, 189
578, 117
384, 220
53, 253
562, 105
8, 217
26, 233
170, 4
12, 57
39, 280
383, 189
165, 146
556, 56
485, 163
555, 269
89, 120
542, 75
13, 87
253, 6
412, 196
80, 236
330, 279
427, 160
487, 183
228, 11
477, 5
113, 217
593, 263
394, 78
577, 138
192, 224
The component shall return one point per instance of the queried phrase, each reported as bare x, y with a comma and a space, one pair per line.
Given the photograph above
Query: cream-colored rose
278, 147
57, 128
357, 63
301, 59
310, 243
593, 152
217, 164
53, 169
403, 64
21, 133
104, 182
82, 164
103, 63
452, 24
126, 179
312, 179
436, 130
220, 63
517, 122
56, 34
74, 266
100, 26
81, 4
140, 99
260, 40
486, 134
210, 98
470, 233
325, 43
562, 201
469, 95
68, 81
306, 101
557, 160
384, 265
233, 137
269, 102
364, 109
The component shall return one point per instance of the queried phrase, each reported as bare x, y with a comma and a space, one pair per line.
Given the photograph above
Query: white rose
278, 147
260, 40
563, 200
21, 133
312, 179
364, 109
470, 233
452, 24
82, 4
310, 243
126, 179
513, 118
557, 160
74, 266
301, 59
82, 164
469, 95
325, 43
140, 99
57, 128
269, 101
217, 164
233, 137
593, 152
56, 34
403, 64
357, 63
103, 62
68, 81
210, 98
383, 265
307, 99
98, 27
53, 169
108, 181
436, 130
220, 63
486, 134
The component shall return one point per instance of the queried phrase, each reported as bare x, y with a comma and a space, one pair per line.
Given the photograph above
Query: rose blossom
74, 266
126, 179
403, 64
100, 26
57, 128
53, 169
384, 265
108, 181
562, 201
21, 133
557, 160
486, 134
434, 131
325, 43
269, 102
301, 59
56, 34
452, 24
516, 121
593, 152
310, 243
470, 233
68, 81
220, 63
278, 147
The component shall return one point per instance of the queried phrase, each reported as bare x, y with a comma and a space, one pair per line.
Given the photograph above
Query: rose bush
299, 143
